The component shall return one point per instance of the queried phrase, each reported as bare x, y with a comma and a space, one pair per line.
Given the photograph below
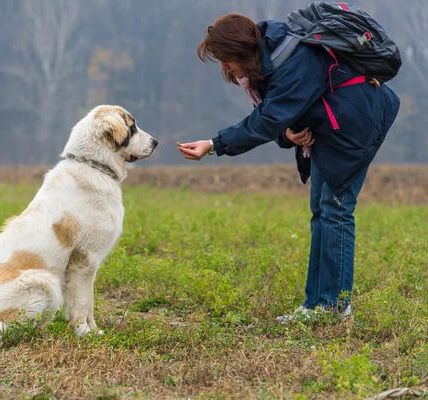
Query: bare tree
45, 64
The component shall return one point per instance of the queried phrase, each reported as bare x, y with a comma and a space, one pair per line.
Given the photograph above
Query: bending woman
346, 128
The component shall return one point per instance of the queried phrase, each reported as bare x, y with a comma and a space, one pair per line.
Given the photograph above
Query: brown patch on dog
104, 110
20, 261
116, 123
79, 259
7, 273
83, 183
8, 315
66, 229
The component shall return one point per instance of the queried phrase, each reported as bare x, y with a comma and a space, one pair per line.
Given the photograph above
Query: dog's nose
154, 142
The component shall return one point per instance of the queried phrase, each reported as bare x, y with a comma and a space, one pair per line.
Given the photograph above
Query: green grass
189, 296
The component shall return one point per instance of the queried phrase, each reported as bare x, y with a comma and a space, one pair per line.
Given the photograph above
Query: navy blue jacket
292, 98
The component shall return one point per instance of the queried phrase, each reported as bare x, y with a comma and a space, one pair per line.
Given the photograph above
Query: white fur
95, 200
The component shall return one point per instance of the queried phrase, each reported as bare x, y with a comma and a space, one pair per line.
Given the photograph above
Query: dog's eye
133, 129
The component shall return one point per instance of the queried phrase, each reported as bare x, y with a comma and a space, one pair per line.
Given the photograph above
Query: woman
298, 94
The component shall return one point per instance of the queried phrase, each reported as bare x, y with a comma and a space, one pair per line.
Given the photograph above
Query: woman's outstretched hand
303, 138
195, 150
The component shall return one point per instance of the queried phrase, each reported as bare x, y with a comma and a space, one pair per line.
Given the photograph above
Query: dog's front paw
81, 329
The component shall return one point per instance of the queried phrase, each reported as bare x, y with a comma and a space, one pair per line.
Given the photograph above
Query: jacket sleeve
294, 87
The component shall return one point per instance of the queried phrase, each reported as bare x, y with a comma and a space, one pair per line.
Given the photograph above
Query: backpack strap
284, 50
300, 20
357, 80
354, 81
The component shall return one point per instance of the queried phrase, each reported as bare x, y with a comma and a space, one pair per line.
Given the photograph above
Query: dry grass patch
73, 369
406, 184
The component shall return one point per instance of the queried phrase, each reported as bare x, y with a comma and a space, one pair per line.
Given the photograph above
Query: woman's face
234, 68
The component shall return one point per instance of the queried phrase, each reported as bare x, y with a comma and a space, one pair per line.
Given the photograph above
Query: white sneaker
304, 314
301, 314
346, 313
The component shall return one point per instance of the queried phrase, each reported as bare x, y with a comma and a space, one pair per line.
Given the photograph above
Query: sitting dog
49, 255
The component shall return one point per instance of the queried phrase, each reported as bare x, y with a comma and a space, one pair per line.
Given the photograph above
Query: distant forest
59, 58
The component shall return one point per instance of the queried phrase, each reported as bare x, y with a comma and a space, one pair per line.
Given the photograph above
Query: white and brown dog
49, 254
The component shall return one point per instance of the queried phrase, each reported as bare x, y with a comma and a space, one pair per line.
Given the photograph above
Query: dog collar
94, 164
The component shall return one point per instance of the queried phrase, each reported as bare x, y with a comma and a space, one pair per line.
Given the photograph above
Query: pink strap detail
354, 81
330, 114
344, 6
330, 51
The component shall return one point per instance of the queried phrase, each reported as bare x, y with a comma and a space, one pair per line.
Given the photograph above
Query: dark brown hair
233, 37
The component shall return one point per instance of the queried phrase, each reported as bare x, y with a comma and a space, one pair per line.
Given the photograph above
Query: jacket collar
273, 33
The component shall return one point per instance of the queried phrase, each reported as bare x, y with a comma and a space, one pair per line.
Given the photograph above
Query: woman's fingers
191, 145
189, 154
300, 138
306, 140
289, 133
303, 134
194, 150
310, 143
188, 150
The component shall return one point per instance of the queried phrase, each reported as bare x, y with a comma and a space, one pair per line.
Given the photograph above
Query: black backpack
353, 34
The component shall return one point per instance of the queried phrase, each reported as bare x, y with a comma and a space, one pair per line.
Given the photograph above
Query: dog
50, 254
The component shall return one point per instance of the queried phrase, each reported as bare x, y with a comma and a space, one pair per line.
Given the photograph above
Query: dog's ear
113, 125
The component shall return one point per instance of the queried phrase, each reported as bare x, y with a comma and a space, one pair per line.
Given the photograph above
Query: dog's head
110, 135
117, 129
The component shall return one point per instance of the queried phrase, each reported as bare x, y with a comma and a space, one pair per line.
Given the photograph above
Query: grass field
188, 299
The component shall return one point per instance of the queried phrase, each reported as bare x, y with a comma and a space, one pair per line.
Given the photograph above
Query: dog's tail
32, 293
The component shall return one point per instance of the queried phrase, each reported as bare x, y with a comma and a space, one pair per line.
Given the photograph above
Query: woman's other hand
303, 138
195, 150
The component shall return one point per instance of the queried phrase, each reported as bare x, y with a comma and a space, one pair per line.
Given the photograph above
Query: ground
188, 300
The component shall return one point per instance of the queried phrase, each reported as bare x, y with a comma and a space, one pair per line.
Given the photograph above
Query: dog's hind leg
32, 294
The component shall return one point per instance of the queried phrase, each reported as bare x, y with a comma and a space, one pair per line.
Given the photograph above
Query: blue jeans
331, 261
